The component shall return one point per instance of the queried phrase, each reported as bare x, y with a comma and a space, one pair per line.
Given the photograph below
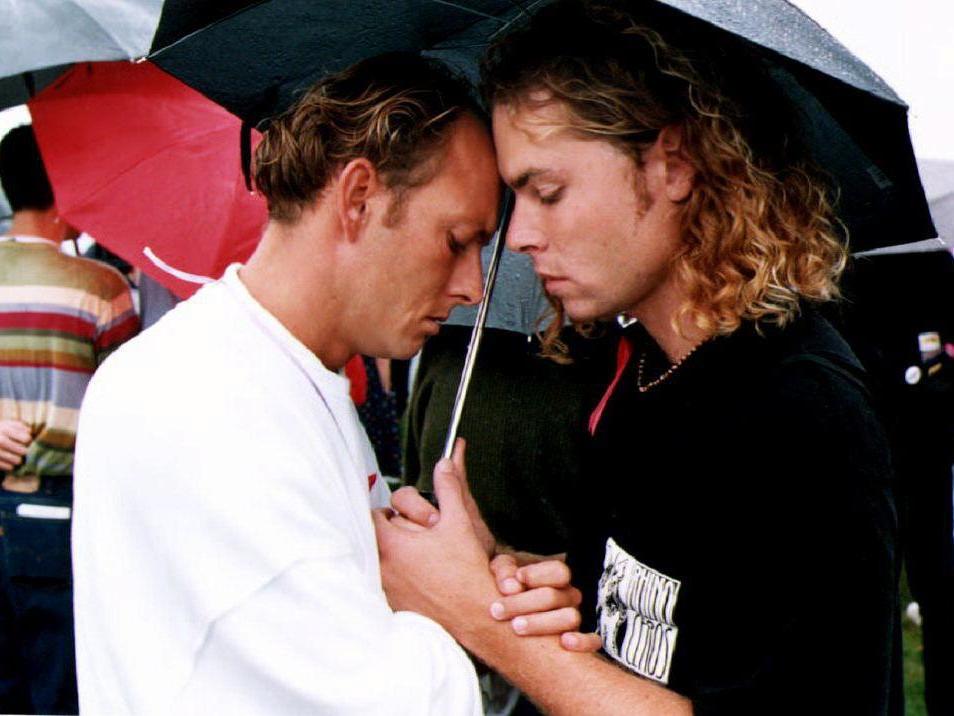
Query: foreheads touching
394, 110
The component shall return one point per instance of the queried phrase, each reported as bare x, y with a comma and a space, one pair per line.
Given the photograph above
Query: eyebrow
480, 235
521, 181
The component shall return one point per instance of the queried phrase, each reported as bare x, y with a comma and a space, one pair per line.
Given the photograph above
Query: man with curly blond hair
736, 546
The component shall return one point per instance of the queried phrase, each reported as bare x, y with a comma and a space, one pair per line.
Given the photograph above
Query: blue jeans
37, 651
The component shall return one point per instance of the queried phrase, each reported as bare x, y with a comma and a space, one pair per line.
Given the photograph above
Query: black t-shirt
739, 541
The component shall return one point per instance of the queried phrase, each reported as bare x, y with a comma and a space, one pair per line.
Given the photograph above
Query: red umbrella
148, 166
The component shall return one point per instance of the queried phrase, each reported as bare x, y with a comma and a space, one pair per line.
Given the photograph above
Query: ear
357, 182
680, 173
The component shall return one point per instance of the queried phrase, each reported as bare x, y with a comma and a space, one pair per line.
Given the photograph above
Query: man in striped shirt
60, 317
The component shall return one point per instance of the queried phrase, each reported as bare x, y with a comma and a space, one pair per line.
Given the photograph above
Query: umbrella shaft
500, 238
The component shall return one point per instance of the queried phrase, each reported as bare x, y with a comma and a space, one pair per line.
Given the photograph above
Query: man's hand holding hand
538, 599
410, 504
439, 571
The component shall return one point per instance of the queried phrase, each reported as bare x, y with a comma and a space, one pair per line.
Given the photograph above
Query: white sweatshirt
223, 551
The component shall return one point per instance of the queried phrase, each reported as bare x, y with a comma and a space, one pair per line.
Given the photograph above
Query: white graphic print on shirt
634, 614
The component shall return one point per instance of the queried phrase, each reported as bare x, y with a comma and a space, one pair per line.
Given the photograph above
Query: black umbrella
43, 40
937, 176
256, 61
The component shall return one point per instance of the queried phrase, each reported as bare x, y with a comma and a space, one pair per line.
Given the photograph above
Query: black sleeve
824, 625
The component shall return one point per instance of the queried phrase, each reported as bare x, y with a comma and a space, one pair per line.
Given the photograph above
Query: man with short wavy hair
225, 557
740, 477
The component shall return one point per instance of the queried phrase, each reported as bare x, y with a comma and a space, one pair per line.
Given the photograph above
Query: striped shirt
60, 317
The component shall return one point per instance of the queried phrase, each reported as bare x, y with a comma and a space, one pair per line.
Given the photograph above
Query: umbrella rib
440, 48
471, 10
519, 5
510, 22
108, 32
155, 52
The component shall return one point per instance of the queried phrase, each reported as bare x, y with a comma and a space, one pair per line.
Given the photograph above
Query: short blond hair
393, 110
759, 230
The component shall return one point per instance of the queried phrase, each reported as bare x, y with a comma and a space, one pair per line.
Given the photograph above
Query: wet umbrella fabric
43, 38
90, 30
937, 176
154, 168
256, 61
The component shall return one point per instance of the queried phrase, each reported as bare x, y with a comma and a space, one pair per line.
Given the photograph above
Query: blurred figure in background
900, 320
525, 467
60, 316
525, 462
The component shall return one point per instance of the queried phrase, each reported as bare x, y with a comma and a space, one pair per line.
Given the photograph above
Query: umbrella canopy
151, 172
256, 61
937, 175
45, 37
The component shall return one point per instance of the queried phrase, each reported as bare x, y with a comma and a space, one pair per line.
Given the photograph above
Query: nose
467, 279
524, 234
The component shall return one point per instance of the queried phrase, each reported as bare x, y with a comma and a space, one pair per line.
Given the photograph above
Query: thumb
450, 498
382, 527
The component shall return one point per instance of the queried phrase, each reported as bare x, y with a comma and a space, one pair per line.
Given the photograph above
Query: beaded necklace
643, 387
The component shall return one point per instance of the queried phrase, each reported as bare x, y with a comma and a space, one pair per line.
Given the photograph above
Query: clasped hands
442, 563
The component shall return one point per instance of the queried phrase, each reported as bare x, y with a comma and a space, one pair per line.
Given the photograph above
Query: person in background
526, 466
155, 300
60, 317
905, 339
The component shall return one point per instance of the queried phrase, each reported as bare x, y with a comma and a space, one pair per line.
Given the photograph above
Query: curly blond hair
393, 110
759, 230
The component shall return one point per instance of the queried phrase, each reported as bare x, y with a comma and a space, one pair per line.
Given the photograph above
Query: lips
552, 282
434, 323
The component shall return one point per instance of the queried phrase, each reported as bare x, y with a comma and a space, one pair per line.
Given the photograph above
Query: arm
535, 593
443, 572
116, 321
318, 638
319, 635
261, 585
15, 440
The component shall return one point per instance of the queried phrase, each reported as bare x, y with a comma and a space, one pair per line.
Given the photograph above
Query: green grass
913, 671
913, 665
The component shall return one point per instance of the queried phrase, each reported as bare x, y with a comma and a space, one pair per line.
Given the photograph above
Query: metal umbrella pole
500, 238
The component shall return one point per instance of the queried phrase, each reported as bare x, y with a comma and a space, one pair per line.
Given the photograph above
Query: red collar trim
623, 354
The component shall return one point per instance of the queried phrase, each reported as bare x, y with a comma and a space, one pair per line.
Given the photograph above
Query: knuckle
503, 565
402, 493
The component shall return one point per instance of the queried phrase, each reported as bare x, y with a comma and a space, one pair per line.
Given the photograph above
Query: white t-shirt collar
25, 239
296, 350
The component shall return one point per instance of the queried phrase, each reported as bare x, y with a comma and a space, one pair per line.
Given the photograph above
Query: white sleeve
316, 640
